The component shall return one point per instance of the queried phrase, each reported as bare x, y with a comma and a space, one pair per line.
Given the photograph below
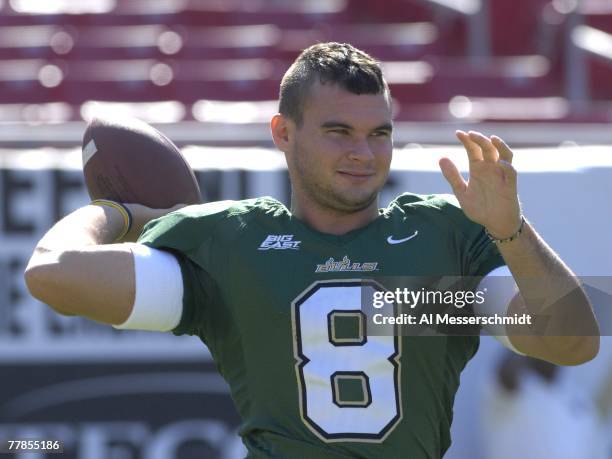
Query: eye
381, 134
339, 131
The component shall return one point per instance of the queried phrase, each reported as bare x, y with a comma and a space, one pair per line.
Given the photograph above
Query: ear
281, 129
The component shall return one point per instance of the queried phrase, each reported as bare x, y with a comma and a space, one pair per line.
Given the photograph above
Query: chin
355, 203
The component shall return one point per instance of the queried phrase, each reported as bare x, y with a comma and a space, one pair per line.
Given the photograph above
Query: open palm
490, 196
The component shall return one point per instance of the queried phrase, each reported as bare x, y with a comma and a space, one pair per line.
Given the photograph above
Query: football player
275, 292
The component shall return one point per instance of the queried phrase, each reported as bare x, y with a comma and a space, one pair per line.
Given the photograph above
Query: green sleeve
198, 299
188, 234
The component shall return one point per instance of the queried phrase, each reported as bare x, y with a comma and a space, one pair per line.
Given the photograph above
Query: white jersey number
349, 382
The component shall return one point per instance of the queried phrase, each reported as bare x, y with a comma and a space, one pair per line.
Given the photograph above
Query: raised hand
489, 197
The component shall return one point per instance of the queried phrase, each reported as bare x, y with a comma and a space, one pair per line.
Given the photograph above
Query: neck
332, 221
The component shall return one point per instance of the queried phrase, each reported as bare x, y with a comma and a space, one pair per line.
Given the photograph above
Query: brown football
131, 161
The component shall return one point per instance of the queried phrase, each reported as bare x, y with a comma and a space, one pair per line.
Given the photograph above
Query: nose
361, 150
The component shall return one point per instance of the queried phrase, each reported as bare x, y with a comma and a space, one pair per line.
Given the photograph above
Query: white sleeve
497, 304
158, 302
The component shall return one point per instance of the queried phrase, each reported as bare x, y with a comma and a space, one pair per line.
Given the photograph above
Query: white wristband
158, 299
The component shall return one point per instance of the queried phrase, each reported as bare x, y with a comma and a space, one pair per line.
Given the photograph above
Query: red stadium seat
231, 42
524, 76
230, 80
129, 80
514, 26
249, 12
596, 62
34, 41
391, 41
31, 81
599, 19
600, 75
366, 11
187, 81
125, 42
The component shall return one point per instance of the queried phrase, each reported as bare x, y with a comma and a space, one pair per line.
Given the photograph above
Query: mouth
357, 174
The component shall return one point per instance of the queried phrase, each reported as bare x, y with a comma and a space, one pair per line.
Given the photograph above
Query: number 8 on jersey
348, 381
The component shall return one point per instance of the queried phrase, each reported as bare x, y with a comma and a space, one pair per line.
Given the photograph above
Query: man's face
341, 154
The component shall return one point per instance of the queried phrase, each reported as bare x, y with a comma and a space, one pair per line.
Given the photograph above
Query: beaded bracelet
123, 210
508, 239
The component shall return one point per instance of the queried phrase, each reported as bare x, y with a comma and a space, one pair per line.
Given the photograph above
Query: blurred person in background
604, 406
533, 409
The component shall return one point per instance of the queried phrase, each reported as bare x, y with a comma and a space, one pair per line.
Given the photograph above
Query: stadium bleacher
189, 52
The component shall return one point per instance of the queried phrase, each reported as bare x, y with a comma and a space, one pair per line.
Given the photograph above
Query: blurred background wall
206, 73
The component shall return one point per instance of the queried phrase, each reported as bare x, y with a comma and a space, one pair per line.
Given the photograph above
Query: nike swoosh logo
390, 239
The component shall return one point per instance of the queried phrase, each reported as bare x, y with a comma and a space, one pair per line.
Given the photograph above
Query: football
130, 161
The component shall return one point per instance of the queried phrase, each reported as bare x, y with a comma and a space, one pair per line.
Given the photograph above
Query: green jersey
276, 303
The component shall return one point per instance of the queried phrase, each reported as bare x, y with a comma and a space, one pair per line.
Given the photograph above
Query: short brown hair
336, 63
